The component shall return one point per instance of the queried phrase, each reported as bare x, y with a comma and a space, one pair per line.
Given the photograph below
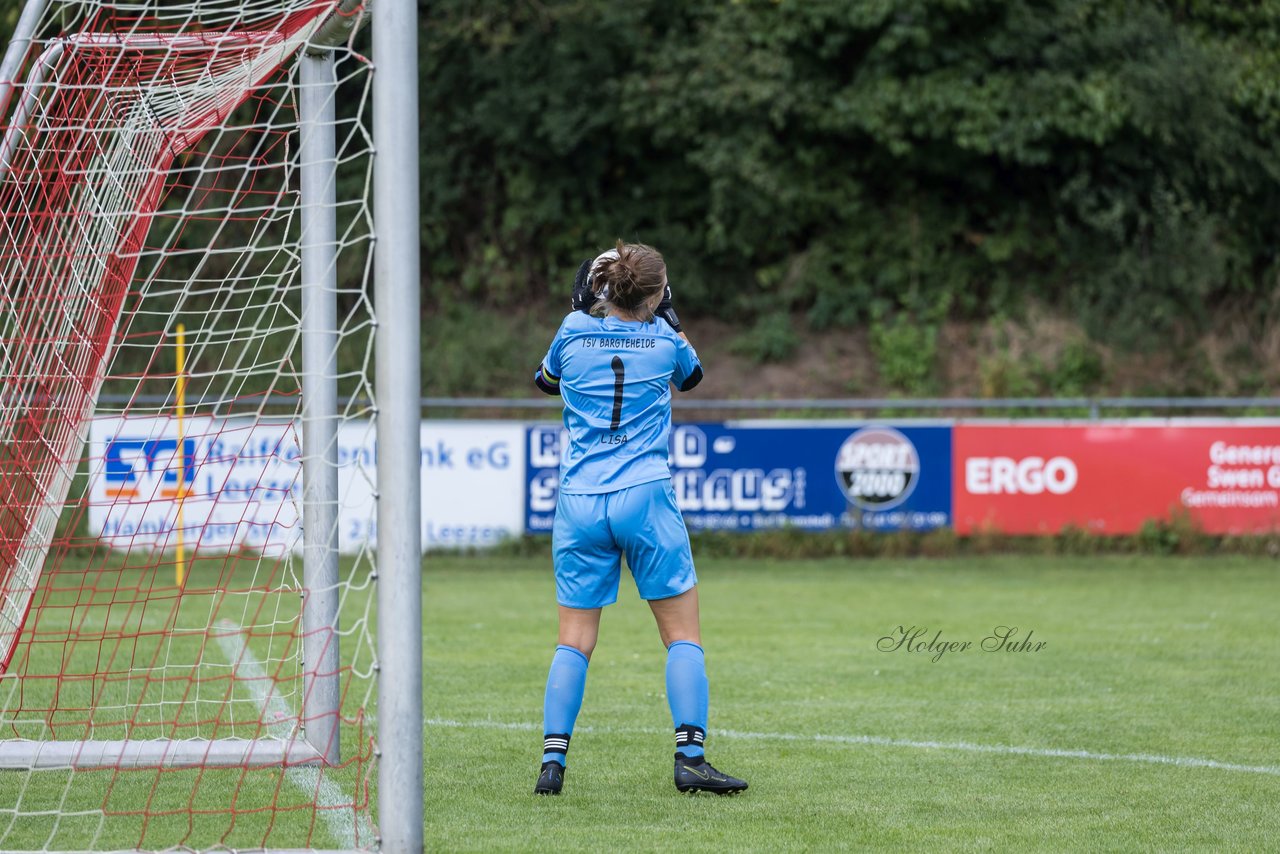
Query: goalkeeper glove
584, 291
667, 311
583, 296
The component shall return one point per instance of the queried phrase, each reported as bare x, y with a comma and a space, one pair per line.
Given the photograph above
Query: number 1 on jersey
619, 378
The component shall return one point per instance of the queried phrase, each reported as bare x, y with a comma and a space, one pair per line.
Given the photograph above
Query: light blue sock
566, 682
688, 695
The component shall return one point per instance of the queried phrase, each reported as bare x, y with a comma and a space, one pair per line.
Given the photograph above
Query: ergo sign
1112, 477
1027, 476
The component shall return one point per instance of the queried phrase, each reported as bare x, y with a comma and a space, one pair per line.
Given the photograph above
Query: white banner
243, 483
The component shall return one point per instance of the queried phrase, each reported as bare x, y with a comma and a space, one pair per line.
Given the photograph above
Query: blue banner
753, 477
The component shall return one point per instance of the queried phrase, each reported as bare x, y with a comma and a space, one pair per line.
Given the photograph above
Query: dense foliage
891, 162
888, 164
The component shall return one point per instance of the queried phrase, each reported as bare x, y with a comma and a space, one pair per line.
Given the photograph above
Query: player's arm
695, 377
688, 369
548, 382
688, 372
547, 376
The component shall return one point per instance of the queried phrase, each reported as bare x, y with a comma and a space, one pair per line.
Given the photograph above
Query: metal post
26, 755
320, 675
397, 300
23, 33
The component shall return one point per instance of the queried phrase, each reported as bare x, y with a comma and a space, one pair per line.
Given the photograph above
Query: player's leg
688, 693
567, 680
677, 617
651, 531
579, 629
566, 685
587, 565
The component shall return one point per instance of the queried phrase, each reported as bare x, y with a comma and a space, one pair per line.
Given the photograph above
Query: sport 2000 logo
877, 468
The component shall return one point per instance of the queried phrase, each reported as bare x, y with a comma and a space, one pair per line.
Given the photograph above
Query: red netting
147, 178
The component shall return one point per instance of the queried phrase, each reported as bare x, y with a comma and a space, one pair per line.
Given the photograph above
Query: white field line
334, 804
881, 741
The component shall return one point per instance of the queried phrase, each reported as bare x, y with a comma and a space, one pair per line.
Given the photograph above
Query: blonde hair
626, 278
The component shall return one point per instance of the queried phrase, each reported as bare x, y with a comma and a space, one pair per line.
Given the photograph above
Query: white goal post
167, 165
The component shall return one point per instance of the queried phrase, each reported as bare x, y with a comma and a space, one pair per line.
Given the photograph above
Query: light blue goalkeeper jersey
614, 376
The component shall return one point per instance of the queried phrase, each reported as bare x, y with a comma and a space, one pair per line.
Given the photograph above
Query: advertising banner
240, 480
758, 476
243, 483
1109, 478
472, 483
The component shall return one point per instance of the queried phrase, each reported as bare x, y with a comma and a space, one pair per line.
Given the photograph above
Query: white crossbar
24, 755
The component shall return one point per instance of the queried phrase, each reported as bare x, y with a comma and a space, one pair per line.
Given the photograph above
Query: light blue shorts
592, 532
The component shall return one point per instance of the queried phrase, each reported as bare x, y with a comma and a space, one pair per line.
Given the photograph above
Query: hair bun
626, 278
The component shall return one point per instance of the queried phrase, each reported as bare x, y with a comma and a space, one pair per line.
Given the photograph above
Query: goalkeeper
612, 361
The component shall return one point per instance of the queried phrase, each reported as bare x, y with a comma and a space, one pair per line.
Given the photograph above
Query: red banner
1110, 478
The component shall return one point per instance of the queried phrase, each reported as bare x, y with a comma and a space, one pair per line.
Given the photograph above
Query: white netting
151, 538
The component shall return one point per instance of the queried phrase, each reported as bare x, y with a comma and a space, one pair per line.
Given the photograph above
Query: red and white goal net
158, 680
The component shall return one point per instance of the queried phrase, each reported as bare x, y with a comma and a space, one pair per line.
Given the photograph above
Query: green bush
906, 353
1078, 371
770, 339
890, 164
1114, 160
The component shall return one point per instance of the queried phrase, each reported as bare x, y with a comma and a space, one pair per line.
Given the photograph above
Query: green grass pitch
1147, 721
848, 747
